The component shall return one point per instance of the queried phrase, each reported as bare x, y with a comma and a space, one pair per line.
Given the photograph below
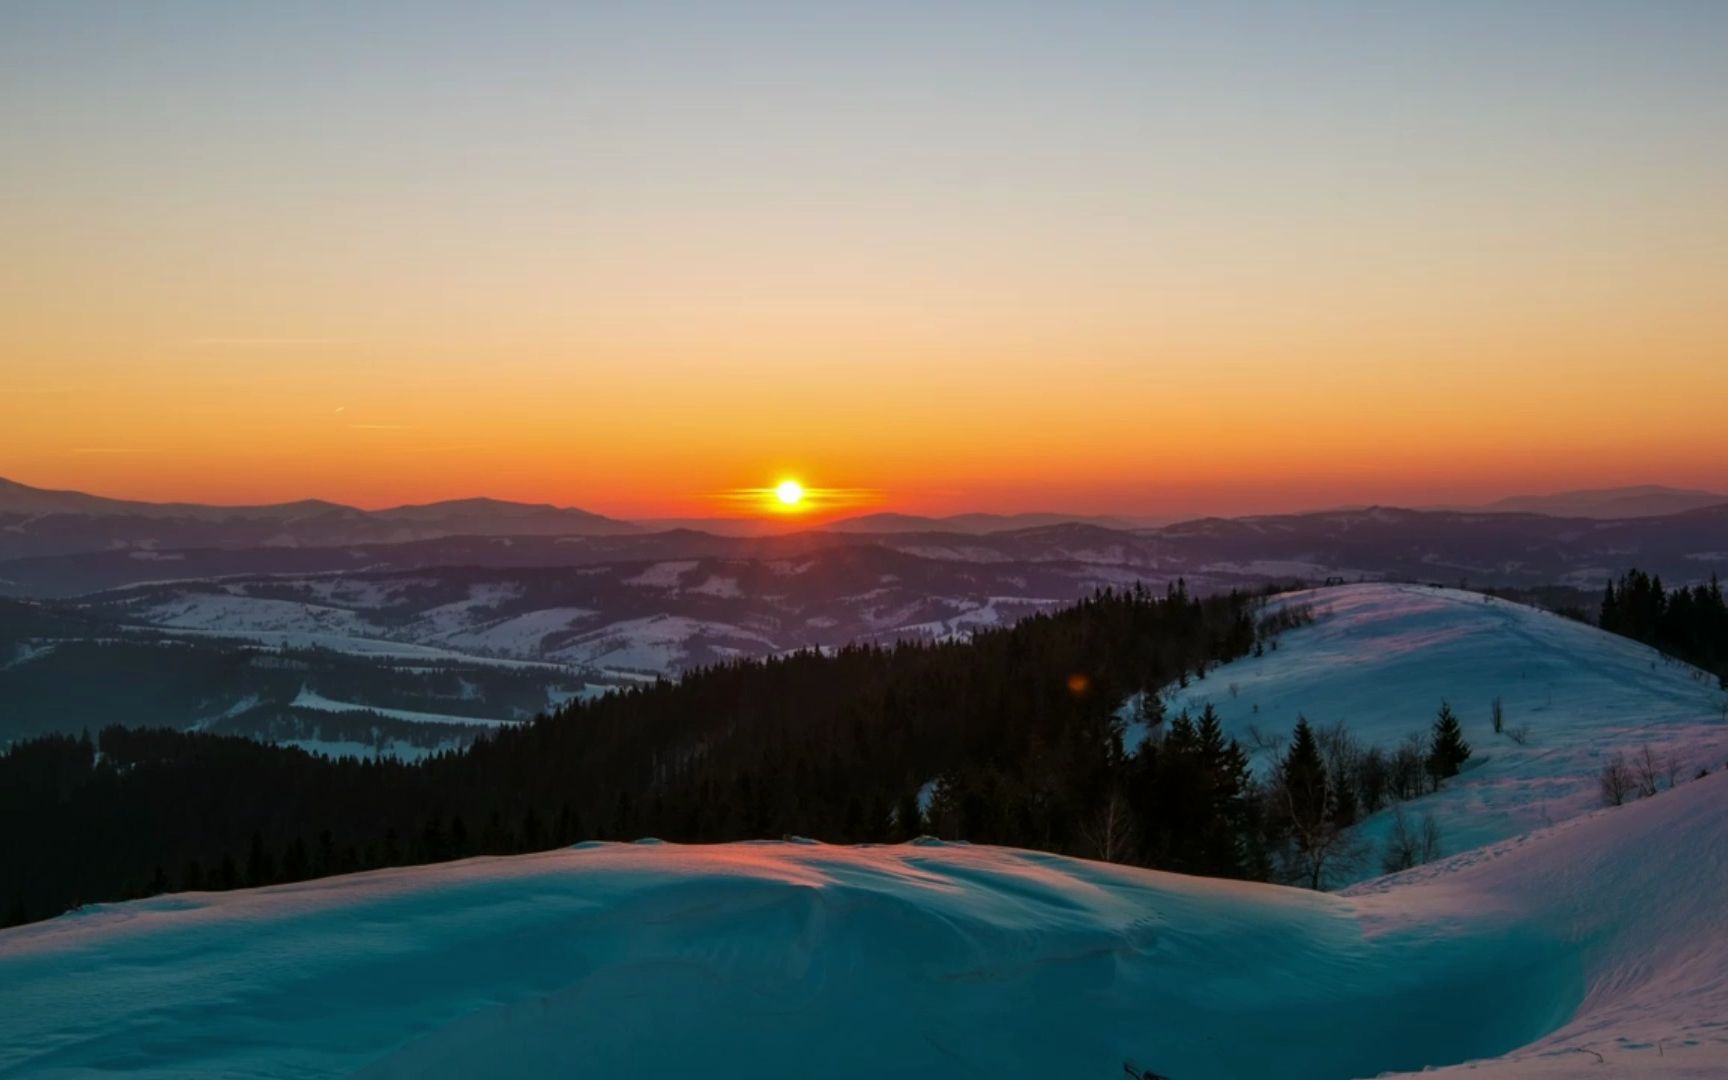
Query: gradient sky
1139, 258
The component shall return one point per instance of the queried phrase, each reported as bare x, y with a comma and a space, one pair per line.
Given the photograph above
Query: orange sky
1074, 264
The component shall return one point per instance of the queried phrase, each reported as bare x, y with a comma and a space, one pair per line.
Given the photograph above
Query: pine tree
1303, 775
260, 867
1320, 844
1447, 749
1151, 714
297, 862
1181, 737
1222, 835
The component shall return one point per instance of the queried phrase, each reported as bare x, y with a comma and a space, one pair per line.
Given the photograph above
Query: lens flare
789, 498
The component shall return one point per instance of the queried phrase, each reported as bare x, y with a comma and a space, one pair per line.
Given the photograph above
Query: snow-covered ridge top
797, 959
1382, 657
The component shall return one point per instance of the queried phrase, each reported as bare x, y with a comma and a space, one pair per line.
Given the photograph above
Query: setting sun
788, 497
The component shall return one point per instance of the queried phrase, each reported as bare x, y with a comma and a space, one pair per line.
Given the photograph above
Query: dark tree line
1327, 781
1017, 731
1689, 623
1019, 726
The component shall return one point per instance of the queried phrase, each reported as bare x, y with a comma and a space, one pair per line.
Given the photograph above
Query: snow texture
1604, 934
311, 699
1382, 657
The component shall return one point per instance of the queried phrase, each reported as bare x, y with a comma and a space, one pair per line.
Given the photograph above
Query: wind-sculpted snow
939, 960
1634, 894
1381, 658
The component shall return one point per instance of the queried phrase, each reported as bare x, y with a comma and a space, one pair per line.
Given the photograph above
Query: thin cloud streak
262, 343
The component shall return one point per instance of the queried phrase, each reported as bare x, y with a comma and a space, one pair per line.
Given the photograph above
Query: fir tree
1303, 775
260, 867
1223, 833
1318, 843
1447, 750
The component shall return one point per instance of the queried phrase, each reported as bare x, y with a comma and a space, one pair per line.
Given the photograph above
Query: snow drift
924, 960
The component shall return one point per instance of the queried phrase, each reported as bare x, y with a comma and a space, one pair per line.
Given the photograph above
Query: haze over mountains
34, 521
37, 521
1647, 500
489, 612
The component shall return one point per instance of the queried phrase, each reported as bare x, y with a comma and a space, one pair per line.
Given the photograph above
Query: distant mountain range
1640, 500
67, 543
40, 522
1648, 500
34, 521
415, 627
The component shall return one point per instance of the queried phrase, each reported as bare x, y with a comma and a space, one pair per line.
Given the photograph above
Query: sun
787, 498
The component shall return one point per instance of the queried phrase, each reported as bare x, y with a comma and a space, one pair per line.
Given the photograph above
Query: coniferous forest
1013, 737
1689, 623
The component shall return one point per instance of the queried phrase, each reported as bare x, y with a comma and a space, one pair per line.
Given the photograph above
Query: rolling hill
1381, 658
1600, 938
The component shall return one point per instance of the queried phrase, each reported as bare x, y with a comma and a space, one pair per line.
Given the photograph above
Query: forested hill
1690, 623
1018, 724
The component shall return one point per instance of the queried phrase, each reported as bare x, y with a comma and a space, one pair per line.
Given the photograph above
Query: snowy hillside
624, 619
1605, 934
1382, 657
1626, 903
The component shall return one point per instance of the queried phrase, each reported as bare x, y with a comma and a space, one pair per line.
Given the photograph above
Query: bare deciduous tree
1410, 844
1322, 847
1110, 832
1264, 745
1408, 778
1646, 772
1616, 780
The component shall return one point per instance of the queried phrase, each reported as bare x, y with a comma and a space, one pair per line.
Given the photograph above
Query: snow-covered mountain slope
1382, 657
1632, 900
1603, 936
658, 617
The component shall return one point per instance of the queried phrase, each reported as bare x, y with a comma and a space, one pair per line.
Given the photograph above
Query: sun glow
787, 497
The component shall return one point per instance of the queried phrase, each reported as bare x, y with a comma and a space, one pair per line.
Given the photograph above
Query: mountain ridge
1637, 500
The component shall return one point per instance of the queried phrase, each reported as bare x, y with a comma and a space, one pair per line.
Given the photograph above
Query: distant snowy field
1382, 657
1603, 936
